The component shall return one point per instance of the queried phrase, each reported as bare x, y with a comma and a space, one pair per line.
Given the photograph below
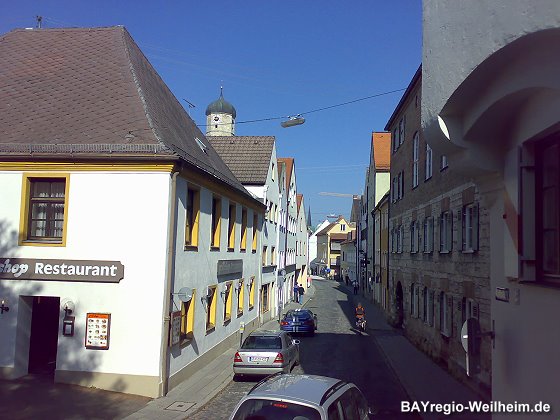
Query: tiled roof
338, 236
248, 157
381, 143
289, 162
94, 87
299, 198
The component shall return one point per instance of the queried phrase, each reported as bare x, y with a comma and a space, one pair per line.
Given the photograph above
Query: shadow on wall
35, 396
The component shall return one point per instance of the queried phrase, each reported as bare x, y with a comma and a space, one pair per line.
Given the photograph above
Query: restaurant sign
230, 267
61, 270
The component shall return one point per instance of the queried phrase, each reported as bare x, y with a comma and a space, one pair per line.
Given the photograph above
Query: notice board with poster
175, 328
98, 327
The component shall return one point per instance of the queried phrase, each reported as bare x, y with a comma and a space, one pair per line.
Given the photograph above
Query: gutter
167, 294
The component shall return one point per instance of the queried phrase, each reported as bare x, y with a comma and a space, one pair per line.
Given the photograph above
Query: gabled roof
381, 146
92, 92
289, 162
417, 76
299, 198
248, 157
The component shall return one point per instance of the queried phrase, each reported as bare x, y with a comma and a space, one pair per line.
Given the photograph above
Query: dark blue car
299, 321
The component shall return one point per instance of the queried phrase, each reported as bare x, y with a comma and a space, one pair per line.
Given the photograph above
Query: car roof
299, 310
305, 388
268, 333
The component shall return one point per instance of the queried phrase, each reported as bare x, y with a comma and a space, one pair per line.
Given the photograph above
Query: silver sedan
265, 353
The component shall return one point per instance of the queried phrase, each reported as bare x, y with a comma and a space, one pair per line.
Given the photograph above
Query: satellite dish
185, 294
68, 306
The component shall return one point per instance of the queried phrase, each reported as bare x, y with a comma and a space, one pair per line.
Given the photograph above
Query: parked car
299, 321
265, 353
312, 397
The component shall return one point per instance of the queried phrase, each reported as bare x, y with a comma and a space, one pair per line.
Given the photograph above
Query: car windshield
262, 342
275, 410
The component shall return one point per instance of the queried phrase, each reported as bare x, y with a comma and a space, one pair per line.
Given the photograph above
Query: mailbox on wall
68, 326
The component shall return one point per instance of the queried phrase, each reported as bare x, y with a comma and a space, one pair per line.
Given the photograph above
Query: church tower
220, 117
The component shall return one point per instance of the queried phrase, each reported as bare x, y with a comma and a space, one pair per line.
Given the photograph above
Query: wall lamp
249, 284
206, 298
224, 292
4, 306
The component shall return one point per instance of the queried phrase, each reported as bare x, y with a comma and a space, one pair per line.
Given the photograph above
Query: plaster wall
111, 216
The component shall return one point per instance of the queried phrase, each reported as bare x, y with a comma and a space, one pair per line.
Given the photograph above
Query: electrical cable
316, 110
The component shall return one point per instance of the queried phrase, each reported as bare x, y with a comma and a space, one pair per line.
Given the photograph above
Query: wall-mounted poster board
98, 327
175, 327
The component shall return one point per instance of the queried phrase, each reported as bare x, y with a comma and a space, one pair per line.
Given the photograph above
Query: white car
265, 353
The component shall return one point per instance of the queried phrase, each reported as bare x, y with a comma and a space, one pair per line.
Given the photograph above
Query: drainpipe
167, 294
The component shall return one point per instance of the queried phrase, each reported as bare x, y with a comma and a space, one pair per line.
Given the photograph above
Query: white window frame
431, 303
415, 159
443, 162
402, 124
428, 162
446, 232
428, 235
413, 237
469, 228
445, 314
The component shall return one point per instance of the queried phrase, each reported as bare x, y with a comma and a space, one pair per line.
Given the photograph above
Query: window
414, 236
243, 245
445, 313
445, 232
395, 140
45, 213
264, 298
443, 162
264, 256
273, 256
469, 228
425, 305
414, 299
211, 308
548, 210
192, 217
402, 123
428, 162
251, 293
428, 235
216, 222
431, 317
272, 173
415, 159
255, 230
231, 227
400, 185
400, 238
240, 297
342, 228
227, 302
187, 317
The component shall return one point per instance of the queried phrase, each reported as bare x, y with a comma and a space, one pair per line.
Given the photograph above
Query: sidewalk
420, 376
192, 394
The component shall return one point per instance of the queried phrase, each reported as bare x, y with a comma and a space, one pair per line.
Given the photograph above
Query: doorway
43, 342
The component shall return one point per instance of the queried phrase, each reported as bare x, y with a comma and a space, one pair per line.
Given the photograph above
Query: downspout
167, 294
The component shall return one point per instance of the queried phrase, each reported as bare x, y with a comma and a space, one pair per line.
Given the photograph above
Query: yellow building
329, 246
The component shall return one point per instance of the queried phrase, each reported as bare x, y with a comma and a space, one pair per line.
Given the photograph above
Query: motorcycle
361, 324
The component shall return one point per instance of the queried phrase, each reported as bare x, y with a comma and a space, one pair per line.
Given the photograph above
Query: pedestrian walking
347, 279
301, 291
356, 286
296, 293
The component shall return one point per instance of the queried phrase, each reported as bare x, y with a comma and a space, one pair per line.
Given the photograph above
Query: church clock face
217, 119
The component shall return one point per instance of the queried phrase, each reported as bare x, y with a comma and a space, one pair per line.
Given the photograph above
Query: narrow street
337, 350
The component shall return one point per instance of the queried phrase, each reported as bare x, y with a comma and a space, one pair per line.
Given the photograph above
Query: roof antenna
39, 21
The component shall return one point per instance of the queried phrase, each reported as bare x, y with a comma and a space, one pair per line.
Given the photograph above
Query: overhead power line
318, 109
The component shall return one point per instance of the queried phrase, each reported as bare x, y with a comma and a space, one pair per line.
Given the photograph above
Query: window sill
254, 251
427, 179
190, 248
230, 249
243, 250
444, 168
445, 252
210, 329
227, 320
31, 242
214, 248
468, 251
251, 307
239, 314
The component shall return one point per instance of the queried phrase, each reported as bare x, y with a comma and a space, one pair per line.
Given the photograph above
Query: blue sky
274, 59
